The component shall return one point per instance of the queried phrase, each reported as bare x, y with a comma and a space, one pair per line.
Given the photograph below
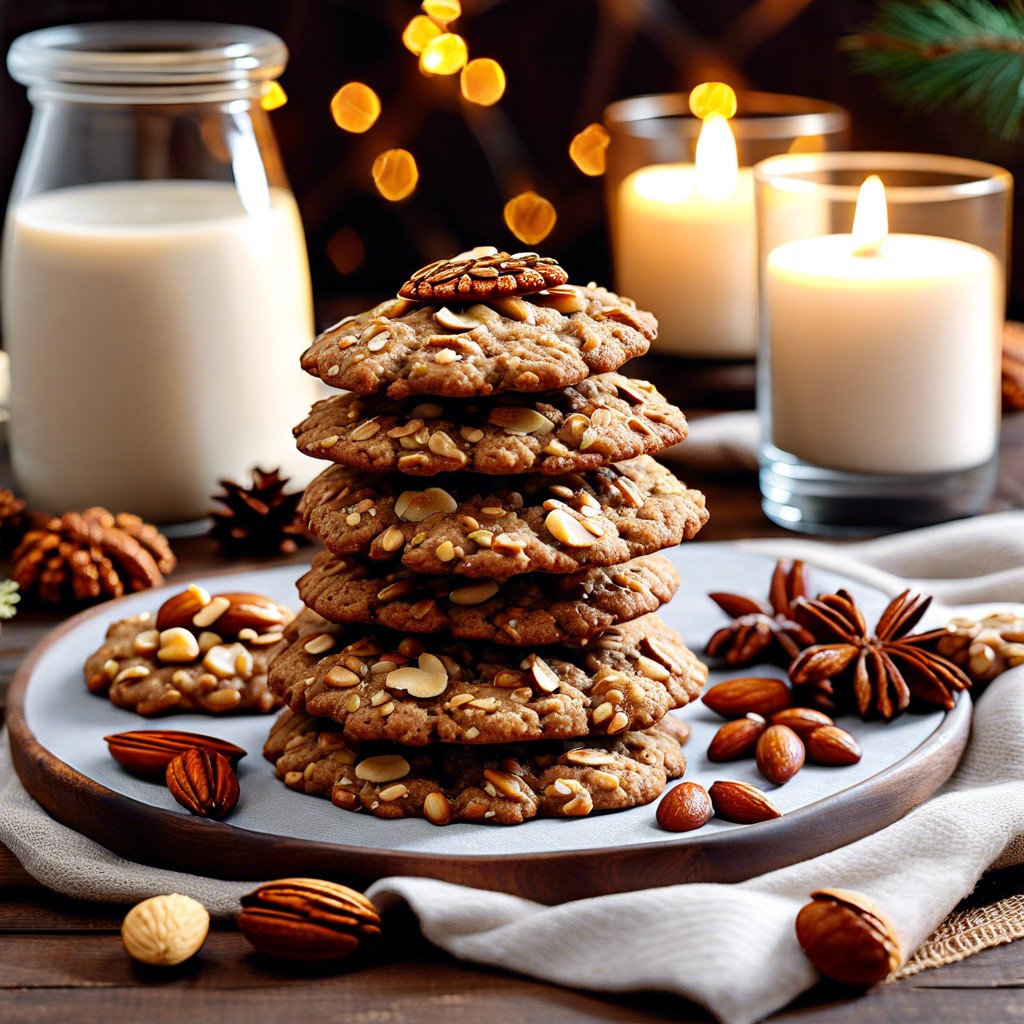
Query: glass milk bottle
156, 292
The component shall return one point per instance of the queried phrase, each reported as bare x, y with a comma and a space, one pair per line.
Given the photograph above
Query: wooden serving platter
56, 729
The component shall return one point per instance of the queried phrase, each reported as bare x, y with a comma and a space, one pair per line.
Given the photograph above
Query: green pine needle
9, 597
964, 54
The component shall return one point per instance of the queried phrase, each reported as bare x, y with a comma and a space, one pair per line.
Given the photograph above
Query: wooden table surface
62, 960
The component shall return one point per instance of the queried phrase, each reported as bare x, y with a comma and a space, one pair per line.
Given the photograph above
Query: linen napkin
729, 947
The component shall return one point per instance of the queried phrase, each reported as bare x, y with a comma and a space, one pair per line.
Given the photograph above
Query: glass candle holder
879, 360
693, 260
156, 290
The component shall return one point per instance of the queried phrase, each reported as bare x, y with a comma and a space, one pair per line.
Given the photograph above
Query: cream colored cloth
728, 947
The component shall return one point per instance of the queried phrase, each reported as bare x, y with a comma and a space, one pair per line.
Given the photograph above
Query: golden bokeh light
445, 55
355, 107
589, 148
418, 33
346, 250
713, 98
395, 174
530, 217
442, 11
273, 97
483, 81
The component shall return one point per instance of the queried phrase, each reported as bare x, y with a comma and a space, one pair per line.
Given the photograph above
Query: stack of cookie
478, 639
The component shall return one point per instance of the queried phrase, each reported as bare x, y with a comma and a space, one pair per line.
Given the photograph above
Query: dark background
565, 60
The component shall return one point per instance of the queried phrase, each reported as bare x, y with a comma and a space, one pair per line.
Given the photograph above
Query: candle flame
871, 218
716, 172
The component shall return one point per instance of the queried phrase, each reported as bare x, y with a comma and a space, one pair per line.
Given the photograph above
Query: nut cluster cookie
501, 527
601, 420
505, 784
479, 641
199, 653
523, 610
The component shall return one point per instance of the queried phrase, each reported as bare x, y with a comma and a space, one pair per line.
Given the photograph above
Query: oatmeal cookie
517, 343
524, 610
502, 785
416, 690
503, 526
603, 419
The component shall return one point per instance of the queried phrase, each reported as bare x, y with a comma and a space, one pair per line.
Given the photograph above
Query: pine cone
258, 520
13, 521
91, 555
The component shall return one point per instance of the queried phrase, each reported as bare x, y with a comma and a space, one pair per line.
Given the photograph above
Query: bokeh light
418, 33
273, 97
713, 98
483, 81
346, 251
530, 217
589, 148
442, 11
395, 174
355, 107
445, 55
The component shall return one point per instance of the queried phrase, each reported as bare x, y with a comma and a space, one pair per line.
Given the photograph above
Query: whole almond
179, 609
779, 754
801, 720
684, 808
737, 697
741, 802
736, 738
832, 746
847, 937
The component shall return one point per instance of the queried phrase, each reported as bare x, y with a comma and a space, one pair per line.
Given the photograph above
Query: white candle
686, 248
885, 351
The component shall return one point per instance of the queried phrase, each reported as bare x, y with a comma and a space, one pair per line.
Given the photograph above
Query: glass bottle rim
159, 56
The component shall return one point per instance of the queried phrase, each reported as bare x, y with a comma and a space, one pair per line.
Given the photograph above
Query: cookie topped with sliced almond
415, 690
523, 611
486, 526
604, 419
461, 348
199, 652
506, 784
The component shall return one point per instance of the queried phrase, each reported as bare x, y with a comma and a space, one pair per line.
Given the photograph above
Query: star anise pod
879, 672
90, 555
763, 630
259, 520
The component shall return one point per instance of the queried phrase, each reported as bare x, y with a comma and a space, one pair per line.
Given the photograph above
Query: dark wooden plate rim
149, 835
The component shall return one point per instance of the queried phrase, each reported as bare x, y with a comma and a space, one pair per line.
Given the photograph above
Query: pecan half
203, 782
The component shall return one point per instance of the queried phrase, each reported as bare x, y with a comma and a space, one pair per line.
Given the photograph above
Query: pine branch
9, 597
964, 54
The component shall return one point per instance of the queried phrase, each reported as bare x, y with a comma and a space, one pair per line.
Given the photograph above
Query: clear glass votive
879, 358
689, 259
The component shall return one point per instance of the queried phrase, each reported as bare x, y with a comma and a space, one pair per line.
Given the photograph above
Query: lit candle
884, 348
686, 248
